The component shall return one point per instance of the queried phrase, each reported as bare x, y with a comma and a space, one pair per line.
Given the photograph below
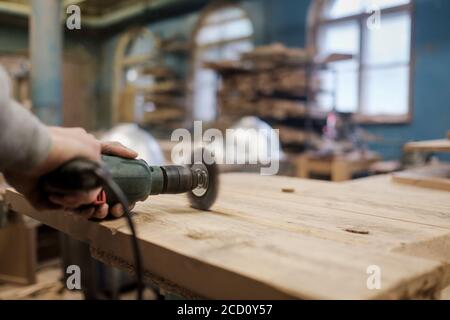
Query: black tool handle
76, 175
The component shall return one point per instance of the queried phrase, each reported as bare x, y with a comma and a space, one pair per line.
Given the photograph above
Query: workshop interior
287, 149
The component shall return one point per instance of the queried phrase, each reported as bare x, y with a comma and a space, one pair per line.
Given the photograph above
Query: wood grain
259, 242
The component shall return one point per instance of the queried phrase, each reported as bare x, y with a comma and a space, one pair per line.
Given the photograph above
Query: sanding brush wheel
204, 195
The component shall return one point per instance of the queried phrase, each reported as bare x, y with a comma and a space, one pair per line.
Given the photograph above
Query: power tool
128, 180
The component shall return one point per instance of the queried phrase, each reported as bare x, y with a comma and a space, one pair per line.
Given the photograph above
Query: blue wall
13, 40
285, 21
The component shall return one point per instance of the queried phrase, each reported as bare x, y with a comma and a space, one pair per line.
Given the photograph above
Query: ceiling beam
113, 22
15, 8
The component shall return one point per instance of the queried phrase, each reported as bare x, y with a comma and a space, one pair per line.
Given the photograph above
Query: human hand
67, 143
81, 202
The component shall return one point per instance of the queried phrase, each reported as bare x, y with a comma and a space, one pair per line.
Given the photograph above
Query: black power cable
82, 174
106, 179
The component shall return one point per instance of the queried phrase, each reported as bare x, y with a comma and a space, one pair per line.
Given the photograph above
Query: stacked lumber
273, 108
334, 57
292, 136
281, 109
164, 98
270, 81
174, 45
272, 56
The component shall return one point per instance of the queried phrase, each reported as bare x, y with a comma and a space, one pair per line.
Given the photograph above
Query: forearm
24, 140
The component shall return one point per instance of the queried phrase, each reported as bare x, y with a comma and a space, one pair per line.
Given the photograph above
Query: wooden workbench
435, 176
259, 242
339, 168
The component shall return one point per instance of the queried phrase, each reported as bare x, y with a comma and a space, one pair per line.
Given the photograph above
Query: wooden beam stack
271, 82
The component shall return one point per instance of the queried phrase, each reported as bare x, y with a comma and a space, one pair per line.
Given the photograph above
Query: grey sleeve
24, 140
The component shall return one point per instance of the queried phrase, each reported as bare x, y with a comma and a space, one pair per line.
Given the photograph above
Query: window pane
385, 91
347, 91
382, 4
226, 31
325, 97
210, 54
341, 37
141, 45
391, 43
338, 89
206, 83
232, 51
341, 80
342, 8
225, 14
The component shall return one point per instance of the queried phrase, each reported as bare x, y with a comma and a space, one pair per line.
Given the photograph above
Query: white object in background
267, 140
133, 137
261, 143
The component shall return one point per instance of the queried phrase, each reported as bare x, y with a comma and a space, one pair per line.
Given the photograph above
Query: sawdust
198, 235
143, 218
115, 225
357, 230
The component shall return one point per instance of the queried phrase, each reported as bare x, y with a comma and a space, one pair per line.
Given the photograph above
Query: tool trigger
101, 198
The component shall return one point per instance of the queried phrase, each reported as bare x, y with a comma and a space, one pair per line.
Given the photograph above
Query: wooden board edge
430, 183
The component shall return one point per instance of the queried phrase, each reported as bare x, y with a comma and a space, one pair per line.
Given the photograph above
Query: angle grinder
127, 181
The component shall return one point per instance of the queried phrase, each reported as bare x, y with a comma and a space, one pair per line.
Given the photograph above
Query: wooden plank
442, 145
259, 242
433, 177
339, 168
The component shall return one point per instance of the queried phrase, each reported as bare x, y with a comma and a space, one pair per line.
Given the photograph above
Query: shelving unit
165, 95
276, 84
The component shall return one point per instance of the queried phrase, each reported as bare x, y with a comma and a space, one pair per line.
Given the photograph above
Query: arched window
137, 49
223, 33
376, 83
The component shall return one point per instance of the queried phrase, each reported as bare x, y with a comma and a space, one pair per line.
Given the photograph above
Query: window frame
317, 21
197, 49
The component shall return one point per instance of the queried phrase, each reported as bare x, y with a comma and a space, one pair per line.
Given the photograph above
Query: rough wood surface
260, 242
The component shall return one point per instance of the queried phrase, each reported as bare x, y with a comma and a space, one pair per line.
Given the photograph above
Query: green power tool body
137, 180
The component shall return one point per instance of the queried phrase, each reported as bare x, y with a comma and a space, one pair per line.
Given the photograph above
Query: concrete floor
49, 287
